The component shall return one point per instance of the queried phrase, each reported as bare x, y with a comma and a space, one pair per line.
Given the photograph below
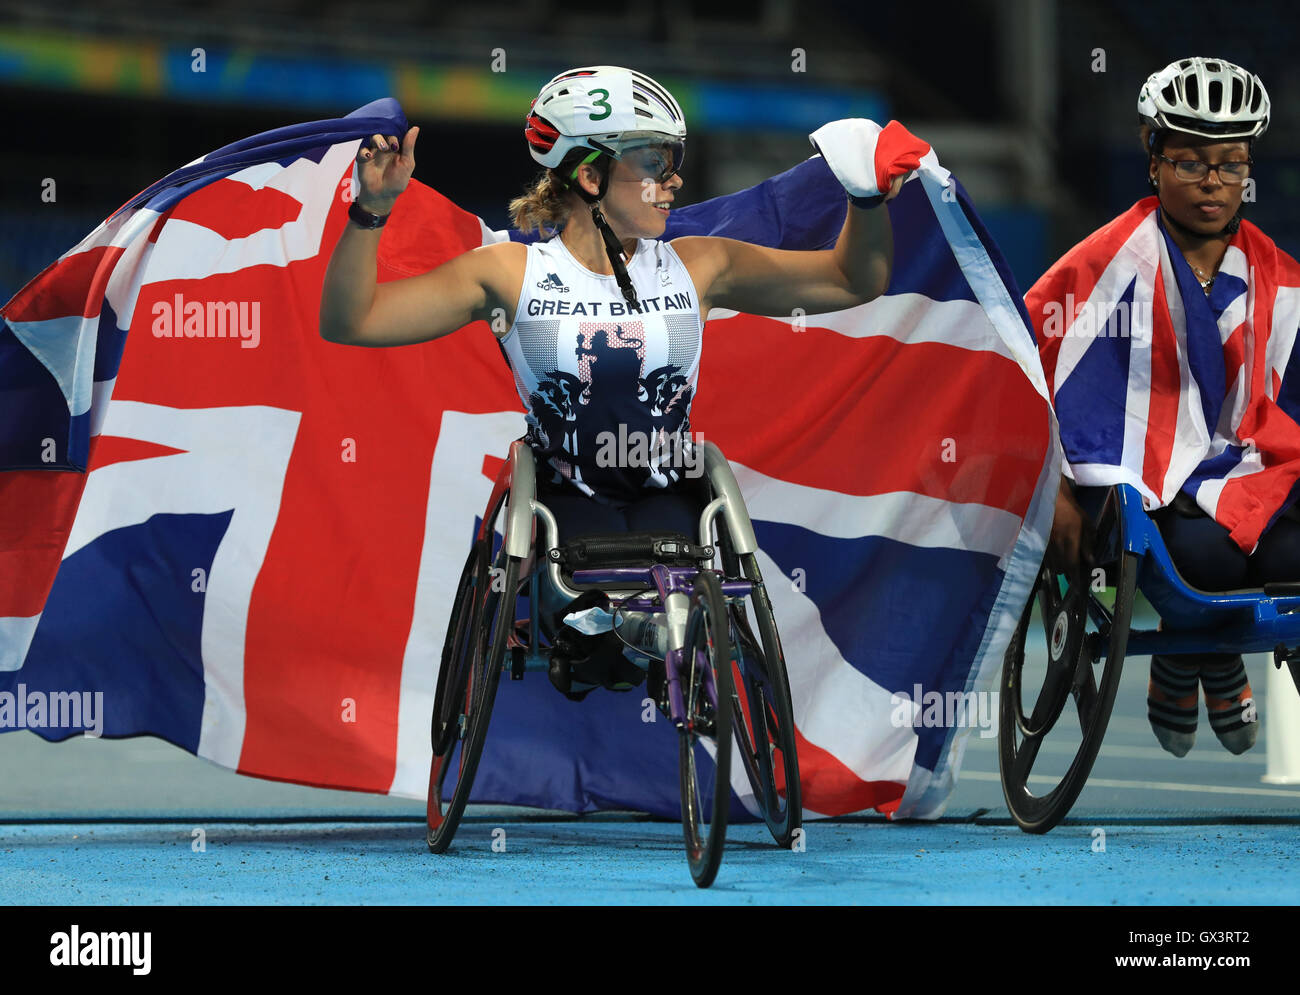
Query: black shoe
582, 662
564, 647
656, 687
568, 645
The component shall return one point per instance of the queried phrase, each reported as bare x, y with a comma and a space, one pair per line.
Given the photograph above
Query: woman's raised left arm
871, 164
759, 280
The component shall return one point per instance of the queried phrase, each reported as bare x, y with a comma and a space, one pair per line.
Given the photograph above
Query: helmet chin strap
613, 248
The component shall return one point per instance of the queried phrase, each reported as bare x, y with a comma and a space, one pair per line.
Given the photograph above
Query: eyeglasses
1230, 173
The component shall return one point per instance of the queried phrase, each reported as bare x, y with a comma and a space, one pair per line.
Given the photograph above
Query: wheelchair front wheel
707, 691
472, 659
1078, 626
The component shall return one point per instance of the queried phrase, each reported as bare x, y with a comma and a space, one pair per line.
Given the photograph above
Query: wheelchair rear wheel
707, 691
1078, 627
765, 714
472, 657
763, 703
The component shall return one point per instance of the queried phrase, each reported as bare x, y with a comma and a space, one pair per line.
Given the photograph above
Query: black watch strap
365, 219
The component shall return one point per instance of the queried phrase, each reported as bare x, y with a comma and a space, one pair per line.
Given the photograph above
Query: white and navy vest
607, 390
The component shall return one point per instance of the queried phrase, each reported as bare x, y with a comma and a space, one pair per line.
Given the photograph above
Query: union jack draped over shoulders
247, 537
1162, 387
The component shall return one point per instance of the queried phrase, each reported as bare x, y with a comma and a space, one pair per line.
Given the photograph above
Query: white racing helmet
606, 109
1207, 97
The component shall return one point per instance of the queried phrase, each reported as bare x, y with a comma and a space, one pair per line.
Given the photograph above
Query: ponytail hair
549, 201
543, 205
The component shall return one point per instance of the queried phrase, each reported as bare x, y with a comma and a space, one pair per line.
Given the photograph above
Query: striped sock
1171, 705
1231, 705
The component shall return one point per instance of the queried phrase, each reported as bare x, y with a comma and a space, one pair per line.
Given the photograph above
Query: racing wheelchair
721, 679
1088, 635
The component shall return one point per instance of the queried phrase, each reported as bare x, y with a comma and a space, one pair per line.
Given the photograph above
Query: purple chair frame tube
666, 580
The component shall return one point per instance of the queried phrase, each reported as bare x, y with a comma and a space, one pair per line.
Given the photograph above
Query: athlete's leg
1201, 548
1277, 557
576, 515
580, 661
673, 509
1208, 559
667, 512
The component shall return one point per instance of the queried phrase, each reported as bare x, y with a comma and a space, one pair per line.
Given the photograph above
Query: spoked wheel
707, 690
765, 714
472, 657
1079, 629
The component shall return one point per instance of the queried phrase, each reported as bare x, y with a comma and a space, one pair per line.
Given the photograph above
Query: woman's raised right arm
357, 310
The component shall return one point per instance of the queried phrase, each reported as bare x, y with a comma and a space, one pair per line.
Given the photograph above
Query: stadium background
1031, 102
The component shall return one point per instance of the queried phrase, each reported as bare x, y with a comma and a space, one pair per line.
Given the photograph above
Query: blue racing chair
1088, 635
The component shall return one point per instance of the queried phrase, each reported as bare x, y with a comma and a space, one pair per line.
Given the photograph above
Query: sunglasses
659, 162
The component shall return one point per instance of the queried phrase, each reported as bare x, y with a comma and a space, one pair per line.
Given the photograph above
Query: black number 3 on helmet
606, 109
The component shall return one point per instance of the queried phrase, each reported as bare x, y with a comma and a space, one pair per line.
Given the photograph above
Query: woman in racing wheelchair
603, 322
1195, 409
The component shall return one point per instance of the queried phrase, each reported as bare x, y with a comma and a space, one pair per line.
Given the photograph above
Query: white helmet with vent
606, 109
1207, 97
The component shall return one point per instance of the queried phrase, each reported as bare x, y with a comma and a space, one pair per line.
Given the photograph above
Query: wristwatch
364, 219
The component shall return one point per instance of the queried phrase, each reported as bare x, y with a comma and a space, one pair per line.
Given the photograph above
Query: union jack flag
247, 537
1166, 388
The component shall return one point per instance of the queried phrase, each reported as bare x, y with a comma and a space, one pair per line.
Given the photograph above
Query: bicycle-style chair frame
719, 679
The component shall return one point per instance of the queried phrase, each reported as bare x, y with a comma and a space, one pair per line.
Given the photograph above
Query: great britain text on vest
538, 307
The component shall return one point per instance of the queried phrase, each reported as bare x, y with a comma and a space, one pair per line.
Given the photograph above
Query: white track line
1105, 782
1217, 756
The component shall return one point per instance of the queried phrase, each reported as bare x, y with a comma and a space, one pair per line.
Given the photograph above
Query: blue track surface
637, 862
111, 822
